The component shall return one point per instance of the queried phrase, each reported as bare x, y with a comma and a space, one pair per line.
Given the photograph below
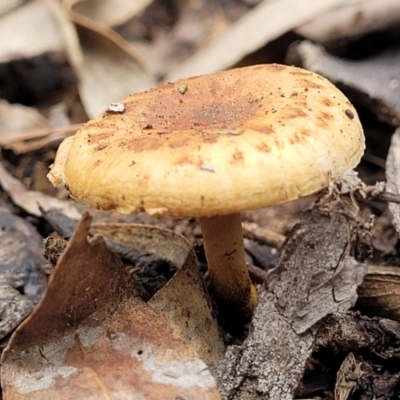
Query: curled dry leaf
112, 68
349, 373
183, 300
352, 19
373, 82
379, 293
32, 201
38, 27
92, 337
108, 67
358, 377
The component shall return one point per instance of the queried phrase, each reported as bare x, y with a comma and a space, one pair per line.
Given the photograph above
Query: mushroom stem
230, 280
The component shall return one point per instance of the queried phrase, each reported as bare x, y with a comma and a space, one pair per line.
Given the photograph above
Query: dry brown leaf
92, 337
350, 371
352, 19
37, 27
112, 68
28, 30
110, 12
108, 67
379, 294
373, 81
255, 29
68, 33
33, 201
183, 300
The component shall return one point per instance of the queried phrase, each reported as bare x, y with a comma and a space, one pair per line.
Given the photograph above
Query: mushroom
210, 147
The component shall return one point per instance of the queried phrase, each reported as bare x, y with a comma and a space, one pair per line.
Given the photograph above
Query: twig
11, 137
389, 197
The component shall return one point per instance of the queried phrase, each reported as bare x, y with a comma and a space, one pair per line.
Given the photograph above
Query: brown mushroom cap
214, 145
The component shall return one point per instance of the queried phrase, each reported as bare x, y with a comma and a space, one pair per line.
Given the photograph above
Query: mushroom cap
213, 145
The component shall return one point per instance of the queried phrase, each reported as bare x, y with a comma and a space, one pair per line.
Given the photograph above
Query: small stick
389, 197
11, 137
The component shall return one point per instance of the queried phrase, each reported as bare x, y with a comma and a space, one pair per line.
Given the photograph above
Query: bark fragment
315, 277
